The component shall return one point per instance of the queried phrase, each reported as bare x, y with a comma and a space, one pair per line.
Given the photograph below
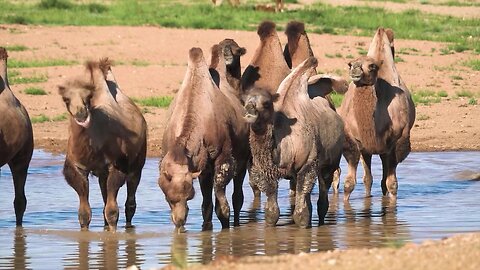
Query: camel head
232, 51
77, 94
176, 182
364, 70
259, 105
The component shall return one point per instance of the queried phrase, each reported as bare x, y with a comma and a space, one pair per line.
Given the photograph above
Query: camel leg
336, 180
102, 182
19, 169
385, 166
303, 204
272, 211
115, 180
131, 203
367, 175
352, 155
251, 180
221, 179
322, 203
78, 180
292, 193
391, 179
237, 196
206, 185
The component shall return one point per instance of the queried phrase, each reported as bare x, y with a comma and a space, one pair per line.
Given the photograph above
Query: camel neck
365, 103
261, 141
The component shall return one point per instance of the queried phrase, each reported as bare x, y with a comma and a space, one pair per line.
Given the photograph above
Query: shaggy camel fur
199, 142
294, 135
16, 138
379, 113
107, 137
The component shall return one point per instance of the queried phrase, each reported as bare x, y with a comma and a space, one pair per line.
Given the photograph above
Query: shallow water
436, 199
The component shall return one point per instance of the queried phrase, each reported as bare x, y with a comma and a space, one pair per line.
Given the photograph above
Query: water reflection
51, 238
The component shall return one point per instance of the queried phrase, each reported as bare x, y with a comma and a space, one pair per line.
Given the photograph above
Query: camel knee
84, 216
272, 213
111, 215
392, 186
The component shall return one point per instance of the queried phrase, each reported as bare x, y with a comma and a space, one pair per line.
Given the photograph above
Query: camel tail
266, 29
3, 53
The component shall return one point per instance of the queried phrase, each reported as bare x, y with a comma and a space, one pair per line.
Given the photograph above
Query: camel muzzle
251, 114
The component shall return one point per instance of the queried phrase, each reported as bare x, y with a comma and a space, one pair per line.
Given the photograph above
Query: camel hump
195, 54
3, 53
105, 65
294, 29
390, 34
216, 54
266, 29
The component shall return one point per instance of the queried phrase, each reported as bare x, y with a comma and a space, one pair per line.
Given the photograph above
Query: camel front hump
107, 138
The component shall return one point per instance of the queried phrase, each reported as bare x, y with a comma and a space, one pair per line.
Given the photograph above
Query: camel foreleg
78, 179
221, 178
19, 168
367, 175
303, 204
237, 196
352, 155
115, 180
206, 186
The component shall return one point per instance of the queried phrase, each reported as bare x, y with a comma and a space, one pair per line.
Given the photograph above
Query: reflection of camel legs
206, 186
19, 167
131, 204
389, 179
237, 196
367, 175
115, 180
78, 180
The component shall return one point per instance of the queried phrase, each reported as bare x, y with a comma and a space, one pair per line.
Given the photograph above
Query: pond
437, 198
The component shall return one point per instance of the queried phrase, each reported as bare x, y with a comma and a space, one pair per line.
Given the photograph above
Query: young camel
199, 142
379, 113
16, 138
107, 138
294, 135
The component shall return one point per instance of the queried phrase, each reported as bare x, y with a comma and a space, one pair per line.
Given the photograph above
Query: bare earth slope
151, 61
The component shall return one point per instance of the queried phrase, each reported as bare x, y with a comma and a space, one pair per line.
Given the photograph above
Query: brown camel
107, 138
16, 138
198, 142
295, 136
379, 113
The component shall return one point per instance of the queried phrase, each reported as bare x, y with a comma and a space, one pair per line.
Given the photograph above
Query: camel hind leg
206, 186
389, 179
102, 182
78, 179
131, 204
352, 155
237, 196
19, 168
115, 181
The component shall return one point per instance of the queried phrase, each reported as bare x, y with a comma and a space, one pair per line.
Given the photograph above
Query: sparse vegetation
427, 96
442, 93
464, 93
160, 102
398, 59
337, 99
472, 101
36, 91
473, 64
140, 63
456, 77
422, 117
13, 63
349, 56
16, 48
362, 51
42, 118
15, 77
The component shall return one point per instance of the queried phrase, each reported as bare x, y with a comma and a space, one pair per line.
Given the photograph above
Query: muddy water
437, 198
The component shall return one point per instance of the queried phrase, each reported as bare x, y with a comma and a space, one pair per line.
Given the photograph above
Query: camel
107, 138
199, 142
379, 113
16, 138
295, 136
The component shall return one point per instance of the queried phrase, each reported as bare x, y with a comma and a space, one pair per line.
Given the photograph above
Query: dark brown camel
107, 138
198, 142
295, 136
379, 113
16, 138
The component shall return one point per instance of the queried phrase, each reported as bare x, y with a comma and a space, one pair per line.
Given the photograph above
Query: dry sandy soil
451, 124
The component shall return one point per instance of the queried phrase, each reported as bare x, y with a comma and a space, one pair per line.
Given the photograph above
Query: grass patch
16, 48
337, 99
35, 91
456, 77
349, 56
15, 77
398, 59
362, 51
442, 93
472, 101
427, 97
338, 55
473, 64
327, 55
422, 117
159, 102
464, 93
319, 17
40, 63
140, 63
42, 118
408, 51
60, 117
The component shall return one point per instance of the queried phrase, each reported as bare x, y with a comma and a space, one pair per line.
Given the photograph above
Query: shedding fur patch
216, 54
294, 29
195, 54
265, 29
364, 104
3, 53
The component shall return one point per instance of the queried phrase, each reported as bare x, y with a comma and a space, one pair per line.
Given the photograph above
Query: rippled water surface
437, 198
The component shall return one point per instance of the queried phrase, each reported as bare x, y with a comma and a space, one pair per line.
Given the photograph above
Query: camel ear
322, 85
196, 174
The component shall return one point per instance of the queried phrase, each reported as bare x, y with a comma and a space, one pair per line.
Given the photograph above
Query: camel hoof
207, 226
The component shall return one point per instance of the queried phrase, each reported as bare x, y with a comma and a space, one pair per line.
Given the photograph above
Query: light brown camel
107, 138
294, 135
16, 138
198, 142
379, 113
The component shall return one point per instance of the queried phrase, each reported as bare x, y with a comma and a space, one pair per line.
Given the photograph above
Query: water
436, 199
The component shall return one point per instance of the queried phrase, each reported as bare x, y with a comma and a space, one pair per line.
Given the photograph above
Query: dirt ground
151, 61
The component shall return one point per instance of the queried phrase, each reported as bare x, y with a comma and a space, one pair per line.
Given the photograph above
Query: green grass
337, 99
472, 101
42, 118
398, 59
422, 117
140, 63
362, 51
16, 48
349, 56
160, 102
442, 93
327, 55
13, 63
473, 64
319, 18
456, 77
464, 93
35, 91
427, 97
15, 77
